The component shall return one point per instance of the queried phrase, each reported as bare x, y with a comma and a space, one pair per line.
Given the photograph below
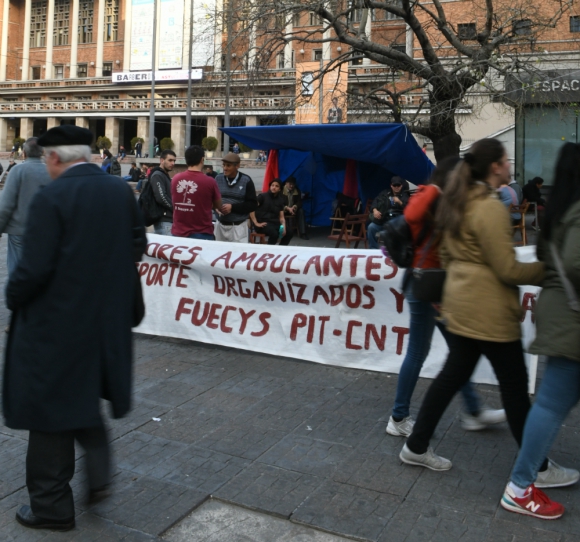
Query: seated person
208, 170
293, 207
134, 174
388, 204
517, 189
269, 216
531, 192
142, 176
509, 197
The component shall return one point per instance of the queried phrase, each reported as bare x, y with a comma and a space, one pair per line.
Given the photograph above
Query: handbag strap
425, 250
573, 302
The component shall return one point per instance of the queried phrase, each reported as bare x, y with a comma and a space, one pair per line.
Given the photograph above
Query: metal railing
265, 103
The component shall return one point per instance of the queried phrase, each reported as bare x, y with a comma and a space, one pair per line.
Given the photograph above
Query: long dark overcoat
72, 295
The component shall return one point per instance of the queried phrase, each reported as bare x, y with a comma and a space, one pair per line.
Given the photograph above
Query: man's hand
397, 200
260, 224
377, 214
226, 208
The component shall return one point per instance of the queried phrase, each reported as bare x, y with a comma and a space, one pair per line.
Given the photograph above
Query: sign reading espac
160, 75
554, 86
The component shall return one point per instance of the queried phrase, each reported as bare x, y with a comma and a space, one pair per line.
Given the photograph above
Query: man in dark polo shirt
194, 195
238, 201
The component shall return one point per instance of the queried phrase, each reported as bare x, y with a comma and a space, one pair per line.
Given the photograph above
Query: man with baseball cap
74, 297
388, 204
238, 201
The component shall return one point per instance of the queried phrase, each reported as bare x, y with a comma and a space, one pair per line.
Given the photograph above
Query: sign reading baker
340, 307
160, 75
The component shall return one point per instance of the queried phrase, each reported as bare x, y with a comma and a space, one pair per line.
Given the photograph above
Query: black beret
67, 134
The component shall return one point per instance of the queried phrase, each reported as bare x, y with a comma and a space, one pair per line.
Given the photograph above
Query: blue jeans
203, 236
14, 251
162, 228
372, 231
558, 394
420, 334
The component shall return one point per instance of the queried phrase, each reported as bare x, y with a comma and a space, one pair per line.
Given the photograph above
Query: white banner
141, 34
204, 32
166, 75
333, 306
171, 34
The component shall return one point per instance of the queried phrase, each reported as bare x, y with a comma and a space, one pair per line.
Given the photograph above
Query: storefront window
540, 133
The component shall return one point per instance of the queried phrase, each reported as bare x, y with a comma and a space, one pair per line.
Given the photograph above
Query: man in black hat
388, 204
73, 300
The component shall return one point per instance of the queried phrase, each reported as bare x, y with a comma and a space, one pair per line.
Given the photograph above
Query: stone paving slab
299, 441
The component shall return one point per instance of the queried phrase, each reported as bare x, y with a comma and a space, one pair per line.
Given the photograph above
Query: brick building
60, 60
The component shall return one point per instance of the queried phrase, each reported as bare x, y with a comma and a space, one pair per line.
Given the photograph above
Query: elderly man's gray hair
32, 149
70, 153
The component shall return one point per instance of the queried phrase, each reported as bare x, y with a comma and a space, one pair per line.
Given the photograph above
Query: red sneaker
534, 503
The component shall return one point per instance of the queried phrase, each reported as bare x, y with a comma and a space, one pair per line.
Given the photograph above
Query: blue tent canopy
317, 154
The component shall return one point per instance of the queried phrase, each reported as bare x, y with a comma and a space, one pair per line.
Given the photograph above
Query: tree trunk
446, 140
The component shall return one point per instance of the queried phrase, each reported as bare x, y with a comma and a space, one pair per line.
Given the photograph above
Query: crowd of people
60, 265
459, 222
200, 204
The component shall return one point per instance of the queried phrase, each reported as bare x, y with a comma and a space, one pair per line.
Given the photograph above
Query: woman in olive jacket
557, 336
481, 306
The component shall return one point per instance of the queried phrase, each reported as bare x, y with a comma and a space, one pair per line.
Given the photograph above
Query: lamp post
152, 100
188, 108
228, 68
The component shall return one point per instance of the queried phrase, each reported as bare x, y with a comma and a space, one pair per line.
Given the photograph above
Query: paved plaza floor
299, 448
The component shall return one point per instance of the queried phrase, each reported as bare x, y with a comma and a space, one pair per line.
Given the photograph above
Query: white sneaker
400, 429
485, 418
429, 459
556, 476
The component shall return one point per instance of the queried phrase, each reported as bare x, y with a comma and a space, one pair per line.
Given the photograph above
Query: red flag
271, 170
350, 187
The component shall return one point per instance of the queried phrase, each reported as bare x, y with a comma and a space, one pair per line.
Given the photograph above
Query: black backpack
398, 240
152, 211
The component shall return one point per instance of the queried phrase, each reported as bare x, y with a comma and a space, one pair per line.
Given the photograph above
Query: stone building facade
59, 58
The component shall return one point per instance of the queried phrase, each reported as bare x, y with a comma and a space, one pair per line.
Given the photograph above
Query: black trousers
50, 466
507, 360
273, 233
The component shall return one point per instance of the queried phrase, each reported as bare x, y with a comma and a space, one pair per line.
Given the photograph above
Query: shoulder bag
428, 283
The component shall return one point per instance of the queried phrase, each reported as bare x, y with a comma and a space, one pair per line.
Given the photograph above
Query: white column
178, 134
49, 32
74, 40
100, 38
83, 122
26, 42
112, 132
220, 33
366, 61
143, 130
26, 127
288, 46
127, 37
52, 122
4, 44
3, 130
409, 42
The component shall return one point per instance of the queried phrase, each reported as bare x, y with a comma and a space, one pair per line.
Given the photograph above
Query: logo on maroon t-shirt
186, 187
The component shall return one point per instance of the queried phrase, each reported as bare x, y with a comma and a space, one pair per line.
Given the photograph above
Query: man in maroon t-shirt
194, 195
